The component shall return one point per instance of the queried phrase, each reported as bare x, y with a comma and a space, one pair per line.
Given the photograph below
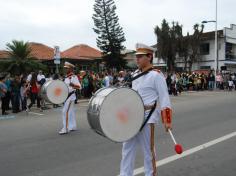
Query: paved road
30, 145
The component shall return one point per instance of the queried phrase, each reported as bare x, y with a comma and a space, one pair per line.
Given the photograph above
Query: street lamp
216, 46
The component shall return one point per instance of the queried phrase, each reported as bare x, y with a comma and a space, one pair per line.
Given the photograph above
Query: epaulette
157, 70
69, 75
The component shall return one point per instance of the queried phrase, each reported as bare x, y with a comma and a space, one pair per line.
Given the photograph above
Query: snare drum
116, 113
54, 91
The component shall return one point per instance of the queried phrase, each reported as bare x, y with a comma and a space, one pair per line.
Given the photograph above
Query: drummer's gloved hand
166, 116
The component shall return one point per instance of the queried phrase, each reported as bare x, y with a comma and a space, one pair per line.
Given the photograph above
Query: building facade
226, 52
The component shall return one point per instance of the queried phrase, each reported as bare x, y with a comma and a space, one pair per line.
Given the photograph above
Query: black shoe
15, 111
5, 113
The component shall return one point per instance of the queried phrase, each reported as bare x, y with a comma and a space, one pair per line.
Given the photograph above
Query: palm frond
21, 60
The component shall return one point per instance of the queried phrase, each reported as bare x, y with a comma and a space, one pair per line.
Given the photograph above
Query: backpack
42, 81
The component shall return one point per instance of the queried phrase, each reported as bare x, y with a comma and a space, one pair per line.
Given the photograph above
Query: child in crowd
231, 84
24, 91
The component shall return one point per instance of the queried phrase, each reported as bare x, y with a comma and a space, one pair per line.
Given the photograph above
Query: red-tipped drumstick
178, 147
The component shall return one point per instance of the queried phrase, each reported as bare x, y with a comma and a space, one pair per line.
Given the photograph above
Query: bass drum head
122, 114
57, 91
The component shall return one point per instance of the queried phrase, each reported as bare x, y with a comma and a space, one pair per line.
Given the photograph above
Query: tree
20, 59
184, 45
110, 34
195, 41
168, 39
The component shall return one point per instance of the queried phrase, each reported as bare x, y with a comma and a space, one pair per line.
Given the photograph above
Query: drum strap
70, 95
154, 106
141, 74
149, 115
129, 81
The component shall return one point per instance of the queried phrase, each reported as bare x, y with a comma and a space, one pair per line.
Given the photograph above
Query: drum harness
151, 107
71, 93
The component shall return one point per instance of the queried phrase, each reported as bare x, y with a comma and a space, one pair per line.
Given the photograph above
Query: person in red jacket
34, 91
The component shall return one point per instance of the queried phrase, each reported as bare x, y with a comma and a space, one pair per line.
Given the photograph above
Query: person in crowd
8, 82
231, 84
29, 77
85, 85
16, 84
107, 80
24, 92
41, 79
233, 77
3, 92
34, 91
211, 80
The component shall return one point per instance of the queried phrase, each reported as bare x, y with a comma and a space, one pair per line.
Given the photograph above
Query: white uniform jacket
74, 80
152, 86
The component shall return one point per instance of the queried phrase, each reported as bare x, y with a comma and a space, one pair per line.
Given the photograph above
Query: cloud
69, 22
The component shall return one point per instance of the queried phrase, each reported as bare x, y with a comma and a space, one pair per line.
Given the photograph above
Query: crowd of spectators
178, 82
21, 92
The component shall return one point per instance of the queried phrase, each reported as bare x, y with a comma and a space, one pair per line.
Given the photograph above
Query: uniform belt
148, 107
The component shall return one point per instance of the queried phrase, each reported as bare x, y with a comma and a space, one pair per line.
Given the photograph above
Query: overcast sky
69, 22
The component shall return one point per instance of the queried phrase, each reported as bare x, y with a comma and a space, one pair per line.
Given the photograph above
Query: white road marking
188, 152
35, 113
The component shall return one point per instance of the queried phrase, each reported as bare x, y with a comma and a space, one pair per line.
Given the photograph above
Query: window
85, 67
179, 69
204, 48
228, 50
205, 67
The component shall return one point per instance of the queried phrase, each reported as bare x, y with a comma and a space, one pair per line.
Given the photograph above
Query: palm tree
20, 59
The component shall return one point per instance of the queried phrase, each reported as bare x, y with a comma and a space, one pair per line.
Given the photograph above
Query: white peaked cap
68, 65
144, 49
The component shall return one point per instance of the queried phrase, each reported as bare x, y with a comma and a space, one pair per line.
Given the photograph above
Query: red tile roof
3, 54
41, 51
211, 35
81, 52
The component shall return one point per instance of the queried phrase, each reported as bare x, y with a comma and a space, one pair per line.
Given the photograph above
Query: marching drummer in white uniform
68, 118
152, 88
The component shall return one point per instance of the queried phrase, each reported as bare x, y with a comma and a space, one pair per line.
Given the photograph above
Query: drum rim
99, 90
103, 102
91, 99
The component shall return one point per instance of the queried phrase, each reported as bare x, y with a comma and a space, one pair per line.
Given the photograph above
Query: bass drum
54, 91
116, 113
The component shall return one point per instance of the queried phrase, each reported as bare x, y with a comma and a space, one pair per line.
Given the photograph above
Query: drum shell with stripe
116, 113
54, 91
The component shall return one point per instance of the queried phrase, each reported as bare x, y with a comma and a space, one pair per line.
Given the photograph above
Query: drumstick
178, 147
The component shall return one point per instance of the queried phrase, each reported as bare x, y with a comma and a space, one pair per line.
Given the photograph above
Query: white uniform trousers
146, 139
68, 118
